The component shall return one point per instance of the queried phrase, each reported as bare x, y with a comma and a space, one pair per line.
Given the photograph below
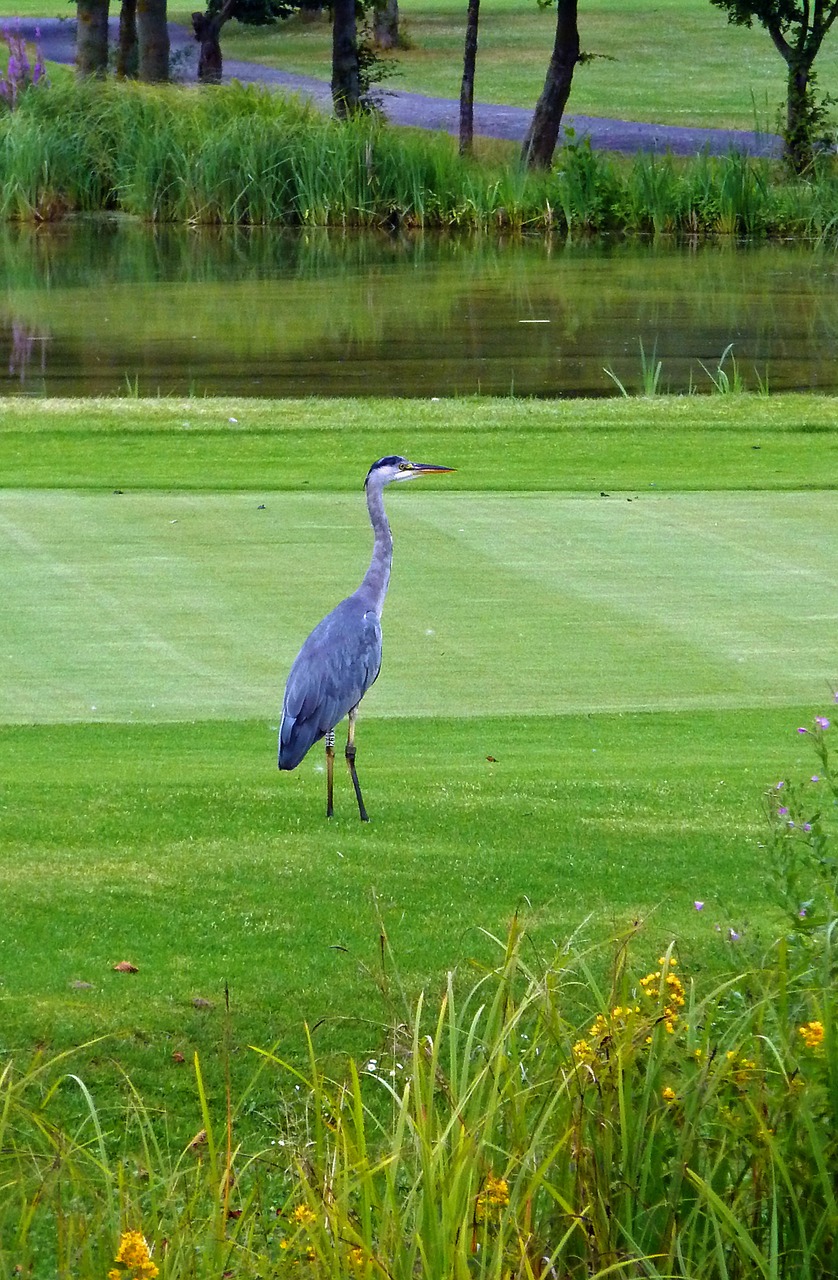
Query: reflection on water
105, 307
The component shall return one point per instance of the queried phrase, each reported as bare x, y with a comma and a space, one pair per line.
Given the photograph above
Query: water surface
113, 306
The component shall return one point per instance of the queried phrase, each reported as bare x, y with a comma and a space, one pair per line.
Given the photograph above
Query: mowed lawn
585, 693
668, 61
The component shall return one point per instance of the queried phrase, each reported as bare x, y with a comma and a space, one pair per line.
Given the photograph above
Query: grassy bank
588, 698
670, 632
668, 61
665, 61
244, 156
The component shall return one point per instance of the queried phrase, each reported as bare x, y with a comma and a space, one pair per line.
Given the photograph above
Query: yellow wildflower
134, 1253
493, 1197
356, 1256
668, 1094
583, 1051
673, 991
599, 1026
812, 1034
303, 1215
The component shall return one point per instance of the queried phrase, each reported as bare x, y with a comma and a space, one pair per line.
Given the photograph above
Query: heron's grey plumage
333, 670
342, 656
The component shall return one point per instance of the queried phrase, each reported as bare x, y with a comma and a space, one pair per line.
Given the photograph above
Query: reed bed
241, 155
603, 1111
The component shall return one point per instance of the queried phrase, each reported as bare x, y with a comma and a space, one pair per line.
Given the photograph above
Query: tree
385, 24
467, 88
207, 27
92, 37
798, 29
126, 54
152, 41
346, 72
542, 135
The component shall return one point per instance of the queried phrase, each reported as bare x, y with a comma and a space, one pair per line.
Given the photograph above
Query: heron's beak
427, 468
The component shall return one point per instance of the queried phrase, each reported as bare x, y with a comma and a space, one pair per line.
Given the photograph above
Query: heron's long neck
378, 575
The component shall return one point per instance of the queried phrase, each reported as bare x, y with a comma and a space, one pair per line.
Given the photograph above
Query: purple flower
815, 777
733, 935
699, 906
802, 913
822, 722
779, 786
802, 729
807, 826
783, 810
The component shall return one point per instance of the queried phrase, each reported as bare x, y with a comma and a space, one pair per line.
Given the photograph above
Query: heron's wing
331, 673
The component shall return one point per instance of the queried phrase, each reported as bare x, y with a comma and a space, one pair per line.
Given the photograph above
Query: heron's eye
405, 466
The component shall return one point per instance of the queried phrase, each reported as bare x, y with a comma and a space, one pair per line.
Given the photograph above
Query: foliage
779, 15
242, 155
798, 31
21, 73
254, 13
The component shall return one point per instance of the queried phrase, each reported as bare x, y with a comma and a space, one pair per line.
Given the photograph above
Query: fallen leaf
125, 966
178, 1057
492, 759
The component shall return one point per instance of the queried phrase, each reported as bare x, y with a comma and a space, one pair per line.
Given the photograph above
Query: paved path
57, 41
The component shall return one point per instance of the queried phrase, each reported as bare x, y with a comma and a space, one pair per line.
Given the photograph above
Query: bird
341, 658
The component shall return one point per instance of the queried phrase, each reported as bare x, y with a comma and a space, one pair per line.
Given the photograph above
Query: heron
342, 656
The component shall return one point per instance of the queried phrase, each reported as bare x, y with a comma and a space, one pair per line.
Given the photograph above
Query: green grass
635, 664
246, 157
670, 62
730, 77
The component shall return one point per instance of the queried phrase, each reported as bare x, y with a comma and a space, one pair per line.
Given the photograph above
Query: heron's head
386, 470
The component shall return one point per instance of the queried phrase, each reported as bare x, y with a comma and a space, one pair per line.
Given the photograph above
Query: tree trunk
799, 45
153, 41
126, 57
92, 37
798, 136
346, 77
207, 28
542, 135
385, 24
210, 61
467, 87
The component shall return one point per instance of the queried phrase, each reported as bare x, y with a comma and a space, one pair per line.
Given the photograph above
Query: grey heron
342, 656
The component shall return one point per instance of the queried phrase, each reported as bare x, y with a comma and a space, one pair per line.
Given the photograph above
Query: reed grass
240, 155
598, 1112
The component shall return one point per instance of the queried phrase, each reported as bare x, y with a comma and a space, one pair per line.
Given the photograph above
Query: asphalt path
56, 38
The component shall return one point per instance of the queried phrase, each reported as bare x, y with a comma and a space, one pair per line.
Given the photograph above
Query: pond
116, 307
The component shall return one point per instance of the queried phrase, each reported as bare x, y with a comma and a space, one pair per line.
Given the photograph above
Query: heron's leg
350, 760
330, 772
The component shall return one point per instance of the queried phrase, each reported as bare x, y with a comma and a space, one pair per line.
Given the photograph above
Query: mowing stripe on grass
175, 606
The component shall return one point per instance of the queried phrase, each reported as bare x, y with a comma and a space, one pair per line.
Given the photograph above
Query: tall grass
600, 1111
242, 155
